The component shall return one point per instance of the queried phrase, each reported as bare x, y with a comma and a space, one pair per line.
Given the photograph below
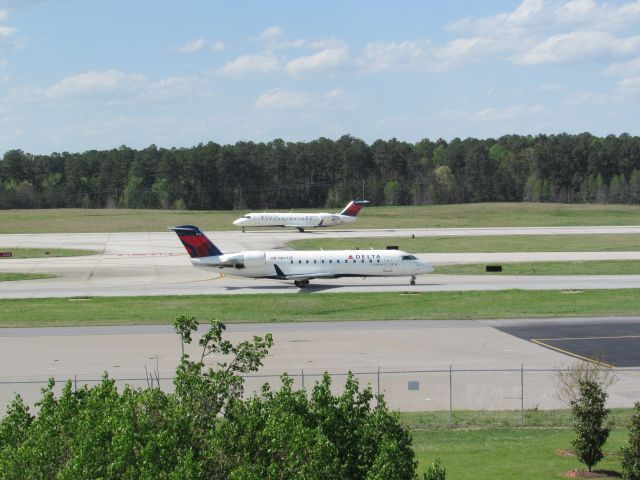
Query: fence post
378, 381
522, 395
450, 396
302, 370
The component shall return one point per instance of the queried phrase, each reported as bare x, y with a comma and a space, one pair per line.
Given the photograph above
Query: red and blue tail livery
196, 242
354, 207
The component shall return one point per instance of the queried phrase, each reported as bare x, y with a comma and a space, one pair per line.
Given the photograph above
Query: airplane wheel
305, 283
298, 284
413, 281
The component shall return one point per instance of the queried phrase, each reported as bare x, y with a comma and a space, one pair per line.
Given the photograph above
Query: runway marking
571, 354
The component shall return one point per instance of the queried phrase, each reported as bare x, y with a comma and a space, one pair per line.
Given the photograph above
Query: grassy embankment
518, 454
467, 215
302, 307
486, 244
43, 253
13, 277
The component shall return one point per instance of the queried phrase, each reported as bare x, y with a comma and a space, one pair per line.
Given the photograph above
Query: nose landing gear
301, 283
413, 280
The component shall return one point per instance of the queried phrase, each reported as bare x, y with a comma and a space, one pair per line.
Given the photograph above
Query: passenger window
299, 261
307, 261
330, 261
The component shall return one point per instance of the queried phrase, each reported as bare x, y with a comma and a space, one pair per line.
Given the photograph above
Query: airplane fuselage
297, 220
316, 264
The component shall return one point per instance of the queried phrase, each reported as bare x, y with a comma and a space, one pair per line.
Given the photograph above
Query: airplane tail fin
195, 242
353, 208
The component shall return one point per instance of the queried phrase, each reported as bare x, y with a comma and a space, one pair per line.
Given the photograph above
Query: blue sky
78, 75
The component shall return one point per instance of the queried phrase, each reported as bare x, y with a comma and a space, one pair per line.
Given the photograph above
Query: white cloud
628, 76
624, 69
112, 88
3, 15
539, 32
192, 47
327, 58
7, 31
95, 83
248, 64
578, 46
217, 46
386, 56
273, 38
201, 44
277, 99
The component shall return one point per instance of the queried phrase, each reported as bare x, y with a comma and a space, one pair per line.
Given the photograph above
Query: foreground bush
206, 429
631, 453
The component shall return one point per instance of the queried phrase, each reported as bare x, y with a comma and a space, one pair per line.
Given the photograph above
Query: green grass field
488, 244
532, 418
43, 252
616, 267
466, 215
304, 307
508, 454
11, 277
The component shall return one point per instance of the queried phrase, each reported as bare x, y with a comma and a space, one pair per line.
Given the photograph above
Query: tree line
563, 168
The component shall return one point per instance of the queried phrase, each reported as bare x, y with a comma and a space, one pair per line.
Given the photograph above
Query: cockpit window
247, 216
409, 257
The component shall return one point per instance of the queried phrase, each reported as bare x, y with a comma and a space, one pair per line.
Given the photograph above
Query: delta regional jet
302, 220
300, 266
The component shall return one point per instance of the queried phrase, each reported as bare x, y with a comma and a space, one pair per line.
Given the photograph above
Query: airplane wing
293, 225
301, 276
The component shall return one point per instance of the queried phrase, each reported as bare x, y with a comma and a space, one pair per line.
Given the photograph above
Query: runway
148, 264
476, 362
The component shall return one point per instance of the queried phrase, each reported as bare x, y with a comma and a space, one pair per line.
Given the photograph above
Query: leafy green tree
590, 413
631, 453
206, 429
435, 471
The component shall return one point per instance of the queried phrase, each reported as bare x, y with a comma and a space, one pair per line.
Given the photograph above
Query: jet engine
254, 259
248, 259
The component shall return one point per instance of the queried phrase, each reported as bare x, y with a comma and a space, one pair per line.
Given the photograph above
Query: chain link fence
430, 398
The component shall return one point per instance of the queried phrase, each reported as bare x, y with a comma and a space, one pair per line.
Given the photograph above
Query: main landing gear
300, 229
413, 280
301, 283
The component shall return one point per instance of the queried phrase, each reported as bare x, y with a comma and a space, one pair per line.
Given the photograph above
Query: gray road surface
486, 361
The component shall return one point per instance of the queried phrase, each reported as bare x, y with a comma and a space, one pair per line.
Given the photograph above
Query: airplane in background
300, 266
302, 220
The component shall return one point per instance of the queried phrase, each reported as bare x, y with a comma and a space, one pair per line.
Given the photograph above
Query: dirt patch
593, 474
565, 452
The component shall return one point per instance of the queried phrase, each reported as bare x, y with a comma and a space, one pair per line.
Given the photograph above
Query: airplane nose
238, 221
424, 267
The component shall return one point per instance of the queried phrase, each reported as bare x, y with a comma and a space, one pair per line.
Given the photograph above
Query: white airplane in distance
302, 220
300, 266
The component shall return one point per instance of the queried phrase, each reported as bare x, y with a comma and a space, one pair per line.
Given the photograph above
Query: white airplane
302, 220
300, 266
